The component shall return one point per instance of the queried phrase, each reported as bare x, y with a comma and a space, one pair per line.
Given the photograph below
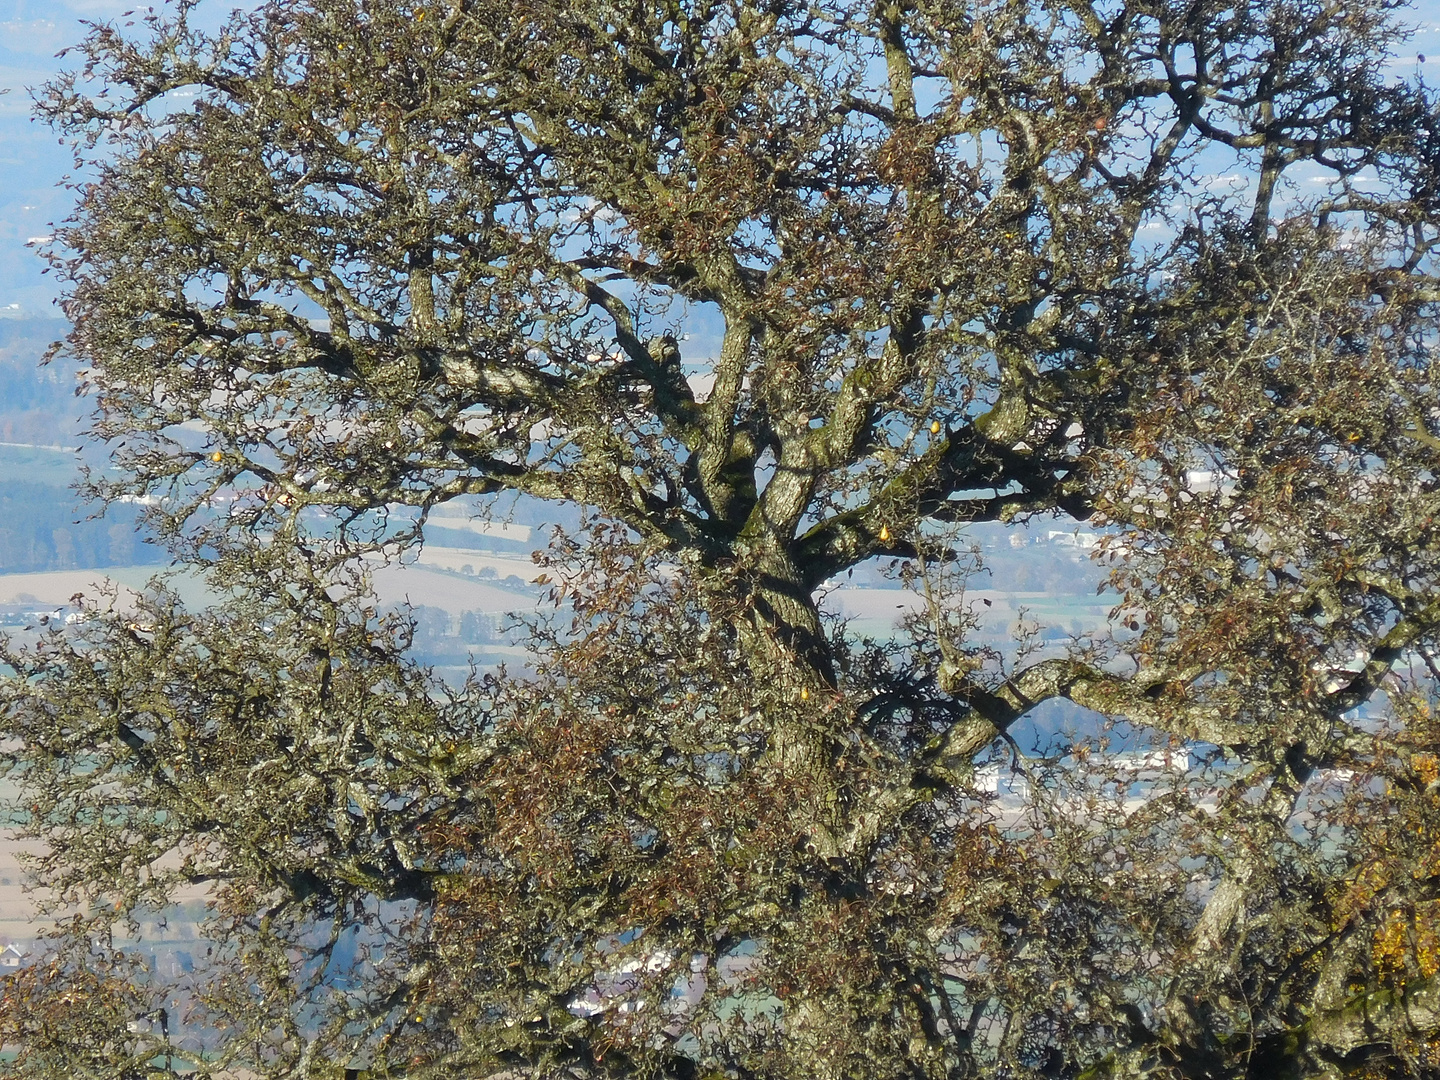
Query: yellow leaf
1427, 767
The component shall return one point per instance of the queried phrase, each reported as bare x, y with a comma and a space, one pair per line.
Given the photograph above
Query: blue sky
33, 164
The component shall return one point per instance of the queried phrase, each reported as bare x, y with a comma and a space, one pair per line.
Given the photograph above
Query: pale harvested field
435, 581
18, 919
17, 908
417, 586
451, 558
56, 588
879, 608
893, 603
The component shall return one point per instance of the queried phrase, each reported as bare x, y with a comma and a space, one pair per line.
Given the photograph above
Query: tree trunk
782, 632
790, 661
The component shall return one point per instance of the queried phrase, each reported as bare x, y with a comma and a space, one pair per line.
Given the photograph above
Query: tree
1165, 267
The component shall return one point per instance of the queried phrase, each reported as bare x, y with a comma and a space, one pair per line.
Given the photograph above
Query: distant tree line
39, 531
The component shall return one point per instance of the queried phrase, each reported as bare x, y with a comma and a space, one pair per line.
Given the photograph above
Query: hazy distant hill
42, 524
37, 405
